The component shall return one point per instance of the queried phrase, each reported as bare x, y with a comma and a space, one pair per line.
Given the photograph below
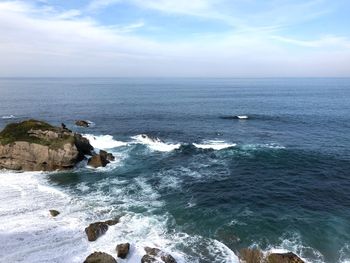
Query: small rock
283, 258
156, 252
54, 213
98, 161
152, 251
100, 257
95, 230
149, 259
123, 250
82, 123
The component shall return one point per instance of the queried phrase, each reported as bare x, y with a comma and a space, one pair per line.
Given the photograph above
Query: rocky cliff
38, 146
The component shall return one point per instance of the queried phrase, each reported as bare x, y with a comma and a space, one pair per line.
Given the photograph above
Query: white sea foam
215, 145
242, 117
258, 146
155, 143
104, 141
8, 117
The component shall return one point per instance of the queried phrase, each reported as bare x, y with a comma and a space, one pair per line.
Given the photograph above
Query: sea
190, 177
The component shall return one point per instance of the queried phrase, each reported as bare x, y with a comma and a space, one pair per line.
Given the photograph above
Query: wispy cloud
46, 41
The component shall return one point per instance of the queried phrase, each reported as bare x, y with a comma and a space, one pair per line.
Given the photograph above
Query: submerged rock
95, 230
38, 146
82, 123
100, 257
54, 213
283, 258
156, 255
123, 250
112, 222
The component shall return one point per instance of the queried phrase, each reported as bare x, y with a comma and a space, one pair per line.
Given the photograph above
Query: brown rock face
37, 146
95, 230
251, 255
54, 213
101, 159
284, 258
100, 257
123, 250
82, 123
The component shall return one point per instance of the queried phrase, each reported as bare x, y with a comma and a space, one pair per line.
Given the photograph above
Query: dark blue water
285, 184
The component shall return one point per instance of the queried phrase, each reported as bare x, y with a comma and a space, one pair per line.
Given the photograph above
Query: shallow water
189, 176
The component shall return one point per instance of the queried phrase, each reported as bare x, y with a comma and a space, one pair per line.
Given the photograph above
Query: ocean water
188, 177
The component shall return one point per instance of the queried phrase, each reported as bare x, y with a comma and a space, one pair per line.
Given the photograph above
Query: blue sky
166, 38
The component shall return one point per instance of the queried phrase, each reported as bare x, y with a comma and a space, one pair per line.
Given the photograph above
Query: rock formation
155, 255
123, 250
82, 123
101, 159
38, 146
254, 255
100, 257
95, 230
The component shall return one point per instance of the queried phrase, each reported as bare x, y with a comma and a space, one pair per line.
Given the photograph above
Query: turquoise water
211, 184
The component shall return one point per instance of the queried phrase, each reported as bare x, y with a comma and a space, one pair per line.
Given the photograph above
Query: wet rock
82, 123
123, 250
251, 255
152, 251
283, 258
98, 160
155, 253
54, 213
100, 257
95, 230
149, 259
112, 222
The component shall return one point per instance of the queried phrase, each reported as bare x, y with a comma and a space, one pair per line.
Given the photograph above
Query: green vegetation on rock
22, 131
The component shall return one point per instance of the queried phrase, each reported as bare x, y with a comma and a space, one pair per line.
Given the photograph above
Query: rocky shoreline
34, 145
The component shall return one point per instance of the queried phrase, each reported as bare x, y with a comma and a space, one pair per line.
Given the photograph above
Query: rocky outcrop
54, 213
95, 230
155, 255
37, 146
123, 250
283, 258
100, 257
254, 255
82, 123
101, 159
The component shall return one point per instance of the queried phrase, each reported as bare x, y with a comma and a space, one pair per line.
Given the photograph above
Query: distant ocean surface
199, 184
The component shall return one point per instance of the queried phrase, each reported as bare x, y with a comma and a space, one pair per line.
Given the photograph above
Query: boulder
95, 230
283, 258
82, 123
123, 250
100, 257
38, 146
101, 159
54, 213
155, 254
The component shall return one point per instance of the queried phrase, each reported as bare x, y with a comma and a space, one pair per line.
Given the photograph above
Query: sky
175, 38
